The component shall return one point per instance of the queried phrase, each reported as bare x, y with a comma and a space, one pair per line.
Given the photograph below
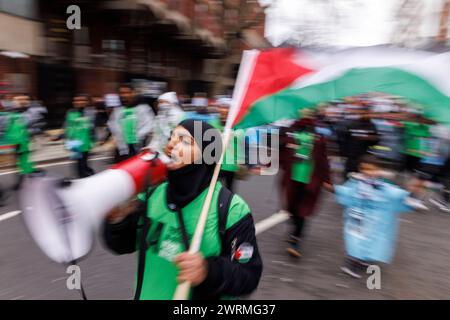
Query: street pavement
419, 270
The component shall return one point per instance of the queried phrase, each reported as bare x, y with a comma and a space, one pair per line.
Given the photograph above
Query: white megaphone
62, 216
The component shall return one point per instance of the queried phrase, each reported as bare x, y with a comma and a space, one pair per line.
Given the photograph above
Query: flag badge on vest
244, 253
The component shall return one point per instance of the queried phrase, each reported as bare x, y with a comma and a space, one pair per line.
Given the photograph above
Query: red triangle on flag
273, 71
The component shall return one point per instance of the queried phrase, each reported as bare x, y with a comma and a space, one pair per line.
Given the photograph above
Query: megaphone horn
62, 217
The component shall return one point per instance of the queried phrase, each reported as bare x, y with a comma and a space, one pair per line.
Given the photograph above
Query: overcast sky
343, 22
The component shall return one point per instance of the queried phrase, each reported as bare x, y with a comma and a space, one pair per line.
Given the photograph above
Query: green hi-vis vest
234, 153
415, 135
165, 241
79, 128
303, 164
17, 132
129, 125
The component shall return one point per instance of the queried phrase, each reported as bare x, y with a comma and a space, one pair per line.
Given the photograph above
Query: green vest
165, 239
79, 128
303, 164
415, 135
129, 125
17, 132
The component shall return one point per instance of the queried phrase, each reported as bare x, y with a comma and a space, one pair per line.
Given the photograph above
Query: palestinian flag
277, 83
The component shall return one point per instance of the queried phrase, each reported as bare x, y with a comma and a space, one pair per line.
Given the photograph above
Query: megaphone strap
182, 225
143, 240
142, 254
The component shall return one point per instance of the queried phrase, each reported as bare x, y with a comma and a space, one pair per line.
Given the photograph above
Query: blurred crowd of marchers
397, 132
95, 121
392, 129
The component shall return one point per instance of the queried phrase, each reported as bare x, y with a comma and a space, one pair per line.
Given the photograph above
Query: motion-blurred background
188, 46
194, 48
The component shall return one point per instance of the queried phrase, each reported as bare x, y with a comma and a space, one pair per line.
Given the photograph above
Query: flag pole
245, 70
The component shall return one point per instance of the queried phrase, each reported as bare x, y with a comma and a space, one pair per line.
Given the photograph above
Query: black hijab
186, 183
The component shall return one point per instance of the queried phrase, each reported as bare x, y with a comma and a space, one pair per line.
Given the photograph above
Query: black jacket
360, 135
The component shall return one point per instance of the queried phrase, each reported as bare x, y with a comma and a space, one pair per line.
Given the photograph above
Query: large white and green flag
420, 77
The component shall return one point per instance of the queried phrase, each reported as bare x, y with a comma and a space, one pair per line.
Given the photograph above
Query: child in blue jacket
371, 216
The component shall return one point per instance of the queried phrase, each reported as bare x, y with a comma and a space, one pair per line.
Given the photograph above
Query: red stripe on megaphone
143, 167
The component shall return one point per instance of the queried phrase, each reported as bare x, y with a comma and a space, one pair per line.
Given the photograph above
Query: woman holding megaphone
161, 223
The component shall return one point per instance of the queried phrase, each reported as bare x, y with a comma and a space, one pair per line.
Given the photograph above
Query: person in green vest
161, 224
234, 154
303, 158
130, 124
17, 134
79, 134
4, 144
416, 132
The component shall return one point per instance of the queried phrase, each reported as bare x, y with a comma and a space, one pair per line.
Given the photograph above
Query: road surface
419, 270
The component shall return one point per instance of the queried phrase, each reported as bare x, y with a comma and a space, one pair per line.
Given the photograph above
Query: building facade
187, 46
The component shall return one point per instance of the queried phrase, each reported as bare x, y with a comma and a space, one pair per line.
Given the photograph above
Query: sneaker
445, 208
350, 272
416, 204
441, 205
293, 239
294, 251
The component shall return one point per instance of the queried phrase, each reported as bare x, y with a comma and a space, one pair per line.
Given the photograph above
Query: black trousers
227, 178
351, 165
445, 174
18, 183
83, 169
298, 224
